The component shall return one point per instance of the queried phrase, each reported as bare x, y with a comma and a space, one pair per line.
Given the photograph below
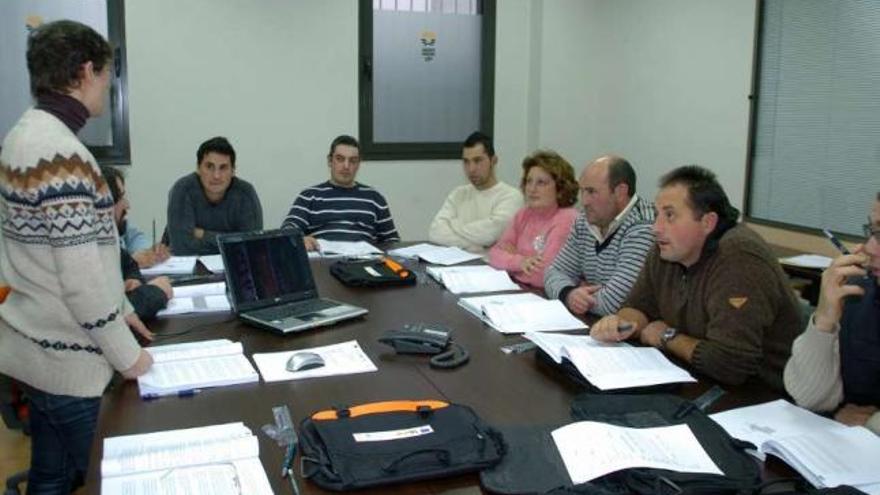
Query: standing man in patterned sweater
342, 209
64, 328
607, 246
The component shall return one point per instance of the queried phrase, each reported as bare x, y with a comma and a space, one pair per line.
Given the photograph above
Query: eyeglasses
871, 230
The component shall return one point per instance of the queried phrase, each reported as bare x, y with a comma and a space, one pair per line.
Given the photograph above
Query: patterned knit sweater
614, 263
62, 328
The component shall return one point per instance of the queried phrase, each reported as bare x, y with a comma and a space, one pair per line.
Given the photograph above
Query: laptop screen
267, 268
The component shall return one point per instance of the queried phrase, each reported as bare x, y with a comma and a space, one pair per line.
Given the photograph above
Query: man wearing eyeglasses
835, 363
342, 209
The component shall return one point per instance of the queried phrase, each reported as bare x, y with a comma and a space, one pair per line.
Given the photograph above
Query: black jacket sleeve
147, 300
130, 268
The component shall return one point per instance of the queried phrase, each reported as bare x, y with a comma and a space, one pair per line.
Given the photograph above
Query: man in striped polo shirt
342, 209
608, 243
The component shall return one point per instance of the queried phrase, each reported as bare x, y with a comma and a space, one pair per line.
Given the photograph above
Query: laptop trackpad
324, 313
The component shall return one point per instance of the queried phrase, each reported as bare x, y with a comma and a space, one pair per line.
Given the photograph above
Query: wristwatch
666, 336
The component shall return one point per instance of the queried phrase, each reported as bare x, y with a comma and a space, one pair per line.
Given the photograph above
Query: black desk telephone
422, 338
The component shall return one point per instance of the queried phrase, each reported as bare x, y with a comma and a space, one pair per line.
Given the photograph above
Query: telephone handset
421, 338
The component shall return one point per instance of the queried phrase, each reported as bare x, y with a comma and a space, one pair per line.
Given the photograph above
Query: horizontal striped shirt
327, 211
613, 263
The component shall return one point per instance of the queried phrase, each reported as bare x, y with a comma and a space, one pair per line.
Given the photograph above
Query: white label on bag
372, 271
384, 436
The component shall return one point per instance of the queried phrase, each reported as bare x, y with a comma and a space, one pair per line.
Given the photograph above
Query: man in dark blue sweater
211, 201
342, 209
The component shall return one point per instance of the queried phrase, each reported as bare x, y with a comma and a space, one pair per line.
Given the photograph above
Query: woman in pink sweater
539, 229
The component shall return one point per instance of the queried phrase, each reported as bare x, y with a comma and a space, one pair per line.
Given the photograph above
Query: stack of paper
175, 265
182, 368
807, 261
438, 255
346, 248
346, 358
613, 366
221, 459
472, 278
523, 312
590, 450
475, 305
823, 451
201, 298
214, 263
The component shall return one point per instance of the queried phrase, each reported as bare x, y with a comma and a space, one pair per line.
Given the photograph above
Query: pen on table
288, 458
154, 233
180, 393
287, 468
834, 240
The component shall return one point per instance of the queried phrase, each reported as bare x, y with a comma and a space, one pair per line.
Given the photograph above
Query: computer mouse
302, 361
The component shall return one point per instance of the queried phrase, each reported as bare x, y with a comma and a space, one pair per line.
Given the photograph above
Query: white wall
662, 83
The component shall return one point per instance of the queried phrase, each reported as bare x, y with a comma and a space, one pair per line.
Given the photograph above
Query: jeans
62, 429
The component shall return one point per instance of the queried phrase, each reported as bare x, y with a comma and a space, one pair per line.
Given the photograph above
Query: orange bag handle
380, 407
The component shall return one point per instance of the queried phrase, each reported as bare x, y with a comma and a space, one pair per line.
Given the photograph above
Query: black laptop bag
533, 464
373, 273
383, 443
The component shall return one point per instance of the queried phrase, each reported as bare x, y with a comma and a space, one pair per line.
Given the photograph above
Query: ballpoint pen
287, 467
834, 240
180, 393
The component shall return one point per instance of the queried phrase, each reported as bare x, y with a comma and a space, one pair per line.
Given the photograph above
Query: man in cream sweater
474, 215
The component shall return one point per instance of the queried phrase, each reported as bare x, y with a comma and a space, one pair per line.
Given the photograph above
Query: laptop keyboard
286, 310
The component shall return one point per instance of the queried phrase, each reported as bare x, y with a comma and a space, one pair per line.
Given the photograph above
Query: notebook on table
270, 283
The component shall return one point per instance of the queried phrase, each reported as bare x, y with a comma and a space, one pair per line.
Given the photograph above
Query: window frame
371, 150
119, 153
754, 97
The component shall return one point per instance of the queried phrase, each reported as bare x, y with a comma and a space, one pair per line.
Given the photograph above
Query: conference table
504, 389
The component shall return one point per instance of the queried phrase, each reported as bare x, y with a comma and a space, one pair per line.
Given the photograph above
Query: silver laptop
270, 282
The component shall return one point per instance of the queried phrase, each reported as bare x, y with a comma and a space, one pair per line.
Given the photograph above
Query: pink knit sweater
518, 241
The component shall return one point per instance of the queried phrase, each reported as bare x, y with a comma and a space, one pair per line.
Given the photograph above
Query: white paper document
472, 279
777, 419
807, 261
438, 255
556, 345
175, 265
346, 358
186, 367
590, 450
213, 262
531, 316
346, 248
413, 251
616, 367
201, 298
612, 366
221, 459
475, 305
823, 451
